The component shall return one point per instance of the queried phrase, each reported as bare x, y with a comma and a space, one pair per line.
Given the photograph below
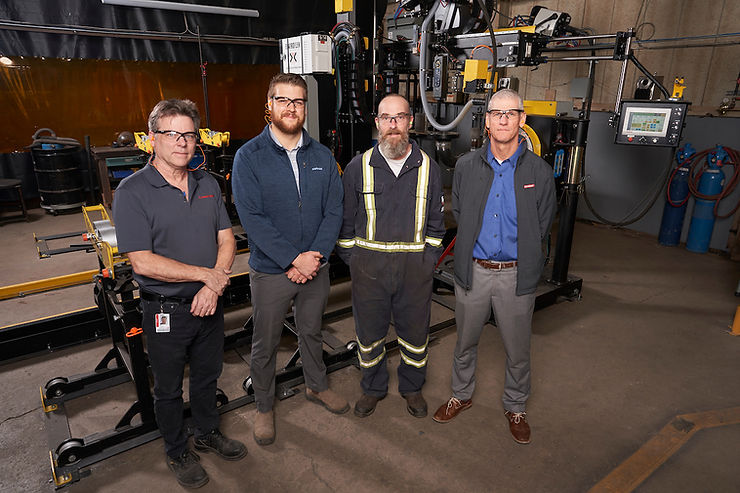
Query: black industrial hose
641, 214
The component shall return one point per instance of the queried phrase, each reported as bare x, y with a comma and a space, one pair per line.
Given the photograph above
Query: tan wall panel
709, 72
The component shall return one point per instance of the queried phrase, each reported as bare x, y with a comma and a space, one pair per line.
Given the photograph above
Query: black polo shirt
150, 214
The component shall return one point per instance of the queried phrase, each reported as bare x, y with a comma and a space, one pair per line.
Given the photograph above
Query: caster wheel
69, 452
55, 387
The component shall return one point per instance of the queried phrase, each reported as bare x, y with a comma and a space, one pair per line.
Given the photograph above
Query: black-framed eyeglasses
175, 136
298, 103
509, 114
399, 118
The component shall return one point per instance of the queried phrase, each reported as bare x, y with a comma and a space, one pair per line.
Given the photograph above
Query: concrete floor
647, 342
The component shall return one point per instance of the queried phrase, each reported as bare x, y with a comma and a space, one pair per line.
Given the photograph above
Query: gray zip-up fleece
535, 209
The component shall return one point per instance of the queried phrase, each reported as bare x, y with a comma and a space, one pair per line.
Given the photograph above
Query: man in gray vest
173, 225
503, 198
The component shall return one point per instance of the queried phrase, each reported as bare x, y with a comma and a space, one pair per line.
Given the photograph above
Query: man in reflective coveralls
391, 237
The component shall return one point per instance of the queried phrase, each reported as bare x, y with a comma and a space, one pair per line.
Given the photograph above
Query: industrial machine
447, 59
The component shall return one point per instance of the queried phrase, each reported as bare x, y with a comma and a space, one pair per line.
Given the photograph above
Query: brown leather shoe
450, 409
365, 405
264, 427
518, 426
329, 399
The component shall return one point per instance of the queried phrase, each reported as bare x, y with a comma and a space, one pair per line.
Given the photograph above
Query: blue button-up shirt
497, 238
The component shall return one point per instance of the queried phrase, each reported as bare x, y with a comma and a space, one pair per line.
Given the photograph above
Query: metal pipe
184, 7
130, 34
584, 38
620, 87
609, 46
579, 58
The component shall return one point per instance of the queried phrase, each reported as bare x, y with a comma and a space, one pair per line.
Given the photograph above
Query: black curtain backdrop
278, 19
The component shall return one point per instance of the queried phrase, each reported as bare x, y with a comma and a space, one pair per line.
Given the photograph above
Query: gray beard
394, 151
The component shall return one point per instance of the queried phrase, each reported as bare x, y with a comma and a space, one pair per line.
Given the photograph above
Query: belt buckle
497, 266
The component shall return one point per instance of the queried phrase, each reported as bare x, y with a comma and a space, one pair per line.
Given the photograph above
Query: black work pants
199, 341
397, 285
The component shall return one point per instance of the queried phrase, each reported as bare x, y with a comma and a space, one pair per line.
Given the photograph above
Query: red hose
695, 177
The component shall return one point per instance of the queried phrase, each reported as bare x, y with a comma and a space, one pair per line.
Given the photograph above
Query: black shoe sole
189, 485
195, 485
364, 414
207, 449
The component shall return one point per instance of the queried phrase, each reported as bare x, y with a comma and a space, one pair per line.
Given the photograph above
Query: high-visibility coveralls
391, 238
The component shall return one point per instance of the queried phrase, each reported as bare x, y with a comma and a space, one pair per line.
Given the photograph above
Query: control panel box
652, 123
306, 54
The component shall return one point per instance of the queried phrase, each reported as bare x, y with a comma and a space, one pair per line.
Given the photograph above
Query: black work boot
187, 469
225, 447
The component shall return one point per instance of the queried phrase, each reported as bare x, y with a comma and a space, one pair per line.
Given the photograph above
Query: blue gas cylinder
702, 219
674, 210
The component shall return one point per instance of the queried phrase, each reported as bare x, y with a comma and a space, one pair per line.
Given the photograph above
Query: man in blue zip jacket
503, 198
288, 194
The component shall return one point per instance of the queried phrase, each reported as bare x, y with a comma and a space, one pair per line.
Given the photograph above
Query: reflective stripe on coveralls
367, 349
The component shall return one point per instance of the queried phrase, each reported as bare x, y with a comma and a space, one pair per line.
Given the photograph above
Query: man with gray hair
173, 225
503, 198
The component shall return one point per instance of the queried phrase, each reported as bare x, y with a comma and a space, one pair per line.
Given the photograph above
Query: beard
290, 127
394, 148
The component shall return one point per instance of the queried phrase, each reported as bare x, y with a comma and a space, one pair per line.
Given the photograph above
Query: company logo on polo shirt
529, 185
211, 196
317, 169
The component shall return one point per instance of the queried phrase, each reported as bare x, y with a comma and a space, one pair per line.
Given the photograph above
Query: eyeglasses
399, 118
175, 136
298, 103
509, 114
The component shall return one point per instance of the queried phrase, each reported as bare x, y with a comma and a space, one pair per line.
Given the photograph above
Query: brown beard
287, 128
397, 150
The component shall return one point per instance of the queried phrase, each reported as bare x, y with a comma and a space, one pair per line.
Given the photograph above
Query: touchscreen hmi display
646, 121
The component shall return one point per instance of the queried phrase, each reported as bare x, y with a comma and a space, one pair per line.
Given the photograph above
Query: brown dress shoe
518, 426
450, 409
329, 399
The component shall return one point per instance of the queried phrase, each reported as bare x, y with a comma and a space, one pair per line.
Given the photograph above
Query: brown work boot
329, 399
264, 427
450, 409
518, 426
365, 405
416, 405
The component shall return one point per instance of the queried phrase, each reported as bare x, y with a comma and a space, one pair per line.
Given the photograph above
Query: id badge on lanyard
162, 321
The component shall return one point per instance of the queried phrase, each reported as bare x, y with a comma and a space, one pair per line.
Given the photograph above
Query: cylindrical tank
702, 218
59, 177
674, 211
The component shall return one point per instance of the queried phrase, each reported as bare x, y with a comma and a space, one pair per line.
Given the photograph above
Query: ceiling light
5, 60
184, 7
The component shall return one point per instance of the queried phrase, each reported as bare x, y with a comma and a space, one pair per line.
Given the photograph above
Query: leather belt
158, 298
492, 265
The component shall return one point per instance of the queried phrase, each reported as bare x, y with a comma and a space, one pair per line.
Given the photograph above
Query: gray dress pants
271, 298
497, 290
